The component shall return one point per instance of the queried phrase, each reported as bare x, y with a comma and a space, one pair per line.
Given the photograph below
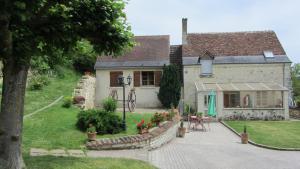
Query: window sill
148, 87
206, 75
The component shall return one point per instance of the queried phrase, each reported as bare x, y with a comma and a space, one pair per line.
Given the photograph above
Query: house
249, 72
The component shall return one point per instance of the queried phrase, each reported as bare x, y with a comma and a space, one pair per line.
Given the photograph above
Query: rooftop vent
268, 54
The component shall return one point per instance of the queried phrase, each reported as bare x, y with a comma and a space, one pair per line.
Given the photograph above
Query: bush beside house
170, 86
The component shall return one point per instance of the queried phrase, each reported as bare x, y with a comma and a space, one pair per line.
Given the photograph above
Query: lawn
284, 134
55, 128
48, 162
36, 99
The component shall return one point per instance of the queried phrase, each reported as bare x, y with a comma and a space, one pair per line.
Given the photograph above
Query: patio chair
196, 121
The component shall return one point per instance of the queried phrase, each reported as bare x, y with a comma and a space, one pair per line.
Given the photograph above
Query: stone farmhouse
249, 72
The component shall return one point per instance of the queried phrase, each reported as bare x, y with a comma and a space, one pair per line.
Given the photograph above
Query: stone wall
156, 137
86, 88
233, 73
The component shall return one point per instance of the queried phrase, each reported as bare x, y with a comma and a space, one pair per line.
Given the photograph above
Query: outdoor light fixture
123, 84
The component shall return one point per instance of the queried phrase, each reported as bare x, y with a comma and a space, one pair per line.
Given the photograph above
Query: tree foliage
170, 86
296, 80
37, 31
83, 56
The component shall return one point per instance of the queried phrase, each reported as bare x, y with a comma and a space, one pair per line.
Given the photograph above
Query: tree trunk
12, 103
11, 115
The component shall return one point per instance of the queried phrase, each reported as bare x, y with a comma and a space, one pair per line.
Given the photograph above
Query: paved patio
219, 149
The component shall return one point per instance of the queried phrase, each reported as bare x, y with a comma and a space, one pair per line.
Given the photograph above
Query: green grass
36, 99
284, 134
55, 128
48, 162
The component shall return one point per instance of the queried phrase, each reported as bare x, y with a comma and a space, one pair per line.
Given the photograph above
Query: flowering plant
141, 125
157, 118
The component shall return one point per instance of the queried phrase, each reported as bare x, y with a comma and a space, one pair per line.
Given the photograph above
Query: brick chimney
184, 31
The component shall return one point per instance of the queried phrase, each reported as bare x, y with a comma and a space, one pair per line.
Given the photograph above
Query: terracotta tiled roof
148, 48
232, 43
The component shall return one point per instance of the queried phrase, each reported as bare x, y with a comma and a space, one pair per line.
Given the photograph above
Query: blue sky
156, 17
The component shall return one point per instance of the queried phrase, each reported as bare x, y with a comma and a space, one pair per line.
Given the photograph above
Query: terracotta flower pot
244, 138
143, 131
181, 131
92, 136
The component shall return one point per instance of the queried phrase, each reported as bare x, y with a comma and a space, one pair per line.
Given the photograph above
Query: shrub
170, 86
67, 102
109, 104
104, 121
157, 118
91, 129
37, 82
78, 99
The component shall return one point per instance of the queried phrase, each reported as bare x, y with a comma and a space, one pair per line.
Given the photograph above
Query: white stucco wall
146, 95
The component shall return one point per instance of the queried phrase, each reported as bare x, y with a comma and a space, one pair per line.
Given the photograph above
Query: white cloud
150, 17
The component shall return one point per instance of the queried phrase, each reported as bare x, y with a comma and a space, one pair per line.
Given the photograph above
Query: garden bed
156, 137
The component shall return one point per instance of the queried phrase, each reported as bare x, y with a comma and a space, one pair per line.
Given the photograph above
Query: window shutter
114, 78
157, 77
137, 78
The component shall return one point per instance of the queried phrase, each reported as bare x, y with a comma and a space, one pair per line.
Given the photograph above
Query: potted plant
244, 136
91, 133
157, 118
181, 130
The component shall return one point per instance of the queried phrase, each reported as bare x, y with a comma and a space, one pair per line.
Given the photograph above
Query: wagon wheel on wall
131, 102
114, 94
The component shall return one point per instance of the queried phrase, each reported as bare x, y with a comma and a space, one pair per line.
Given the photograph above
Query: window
269, 99
261, 98
232, 99
206, 67
206, 100
148, 78
114, 78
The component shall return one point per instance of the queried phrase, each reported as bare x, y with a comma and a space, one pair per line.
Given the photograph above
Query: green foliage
181, 124
188, 109
157, 118
105, 122
170, 86
84, 56
91, 129
43, 31
67, 102
245, 129
38, 81
296, 81
109, 104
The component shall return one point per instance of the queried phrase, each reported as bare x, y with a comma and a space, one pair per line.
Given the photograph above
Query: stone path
215, 149
219, 149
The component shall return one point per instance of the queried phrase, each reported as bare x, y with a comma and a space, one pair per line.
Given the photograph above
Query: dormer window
206, 62
206, 67
268, 54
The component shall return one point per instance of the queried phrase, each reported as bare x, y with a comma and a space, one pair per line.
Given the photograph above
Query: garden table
196, 121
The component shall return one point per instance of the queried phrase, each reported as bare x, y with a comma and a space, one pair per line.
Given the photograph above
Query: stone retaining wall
86, 88
295, 113
156, 137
